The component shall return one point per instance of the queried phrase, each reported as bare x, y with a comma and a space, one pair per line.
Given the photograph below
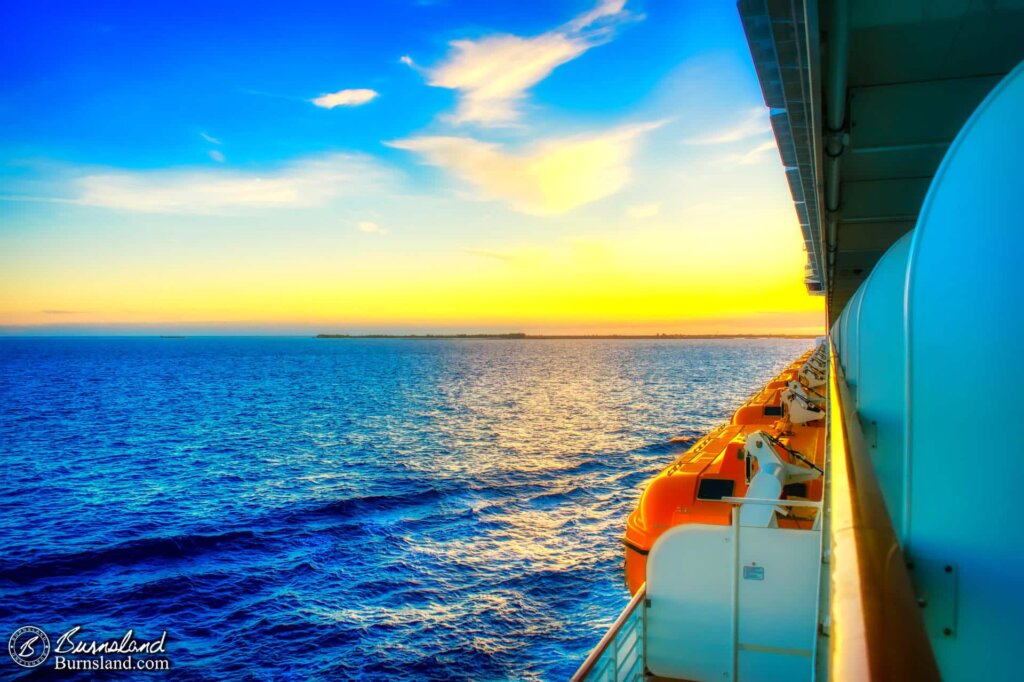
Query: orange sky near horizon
730, 277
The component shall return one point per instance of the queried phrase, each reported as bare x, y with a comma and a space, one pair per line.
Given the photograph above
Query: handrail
814, 504
877, 632
610, 635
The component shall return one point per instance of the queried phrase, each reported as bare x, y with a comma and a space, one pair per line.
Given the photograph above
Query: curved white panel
845, 334
965, 307
853, 337
881, 389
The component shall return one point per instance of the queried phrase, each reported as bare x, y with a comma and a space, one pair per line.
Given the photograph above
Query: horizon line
467, 336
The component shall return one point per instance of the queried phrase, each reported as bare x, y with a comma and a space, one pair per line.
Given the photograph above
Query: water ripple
300, 508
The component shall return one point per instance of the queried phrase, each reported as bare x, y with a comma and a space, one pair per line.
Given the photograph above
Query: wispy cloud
370, 227
746, 158
578, 250
553, 177
63, 312
604, 9
755, 154
345, 98
518, 257
215, 154
307, 182
643, 211
755, 122
493, 74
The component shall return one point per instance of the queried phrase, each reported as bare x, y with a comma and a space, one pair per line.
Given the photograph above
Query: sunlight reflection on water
344, 509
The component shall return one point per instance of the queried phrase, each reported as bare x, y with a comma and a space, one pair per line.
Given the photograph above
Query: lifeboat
778, 433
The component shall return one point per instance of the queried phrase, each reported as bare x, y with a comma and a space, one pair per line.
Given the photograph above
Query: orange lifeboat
691, 489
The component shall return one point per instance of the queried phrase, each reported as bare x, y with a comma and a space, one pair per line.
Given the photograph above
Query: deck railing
877, 632
619, 656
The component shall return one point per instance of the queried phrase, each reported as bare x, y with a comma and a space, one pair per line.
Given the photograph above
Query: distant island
534, 337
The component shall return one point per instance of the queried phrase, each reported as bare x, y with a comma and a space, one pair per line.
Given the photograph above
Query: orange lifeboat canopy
687, 491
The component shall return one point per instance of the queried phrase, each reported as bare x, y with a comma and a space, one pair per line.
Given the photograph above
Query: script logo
29, 646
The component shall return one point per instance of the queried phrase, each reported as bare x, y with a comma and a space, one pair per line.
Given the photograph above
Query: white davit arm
772, 476
813, 371
812, 377
800, 408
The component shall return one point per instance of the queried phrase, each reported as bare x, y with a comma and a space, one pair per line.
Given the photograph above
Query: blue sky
134, 84
239, 147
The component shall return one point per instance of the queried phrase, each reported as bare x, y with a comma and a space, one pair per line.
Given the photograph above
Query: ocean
297, 508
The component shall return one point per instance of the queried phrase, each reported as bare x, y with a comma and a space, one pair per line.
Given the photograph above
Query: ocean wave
359, 506
128, 553
292, 509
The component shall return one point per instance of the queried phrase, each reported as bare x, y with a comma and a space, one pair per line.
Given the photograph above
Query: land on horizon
531, 337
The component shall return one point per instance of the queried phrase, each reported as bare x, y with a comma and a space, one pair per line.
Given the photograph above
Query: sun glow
722, 278
458, 194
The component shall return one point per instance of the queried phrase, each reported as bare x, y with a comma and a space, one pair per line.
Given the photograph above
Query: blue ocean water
291, 508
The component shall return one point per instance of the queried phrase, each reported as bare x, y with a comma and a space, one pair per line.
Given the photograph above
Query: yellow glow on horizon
665, 211
729, 276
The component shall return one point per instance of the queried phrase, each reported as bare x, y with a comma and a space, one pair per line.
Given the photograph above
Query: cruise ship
857, 519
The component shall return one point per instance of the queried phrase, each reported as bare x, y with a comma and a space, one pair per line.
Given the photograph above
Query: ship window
796, 489
773, 410
715, 488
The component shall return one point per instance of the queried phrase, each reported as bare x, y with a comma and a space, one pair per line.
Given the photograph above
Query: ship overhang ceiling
865, 99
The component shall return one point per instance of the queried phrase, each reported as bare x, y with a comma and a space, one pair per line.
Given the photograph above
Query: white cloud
345, 98
605, 8
307, 182
370, 227
553, 177
756, 122
745, 158
519, 256
755, 154
643, 211
217, 155
493, 74
210, 138
407, 60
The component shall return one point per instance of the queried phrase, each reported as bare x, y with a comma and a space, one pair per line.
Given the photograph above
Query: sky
396, 166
